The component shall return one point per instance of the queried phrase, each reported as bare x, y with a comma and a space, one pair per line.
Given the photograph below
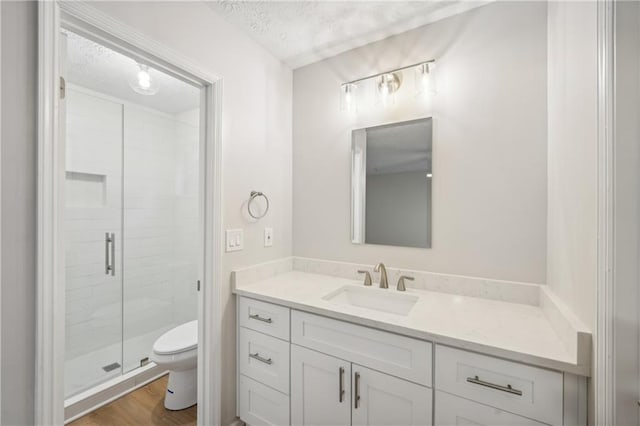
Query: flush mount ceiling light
143, 83
386, 85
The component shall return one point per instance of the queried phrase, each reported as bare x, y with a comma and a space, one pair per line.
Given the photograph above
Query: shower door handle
109, 253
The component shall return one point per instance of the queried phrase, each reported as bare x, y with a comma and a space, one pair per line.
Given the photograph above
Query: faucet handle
367, 277
401, 286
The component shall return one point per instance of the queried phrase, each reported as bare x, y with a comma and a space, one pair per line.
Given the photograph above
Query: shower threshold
104, 393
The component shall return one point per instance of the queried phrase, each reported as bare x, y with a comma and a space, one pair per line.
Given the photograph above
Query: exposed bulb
143, 83
348, 97
144, 79
425, 84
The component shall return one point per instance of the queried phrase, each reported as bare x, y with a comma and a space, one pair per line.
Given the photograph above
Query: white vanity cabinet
330, 391
301, 369
320, 389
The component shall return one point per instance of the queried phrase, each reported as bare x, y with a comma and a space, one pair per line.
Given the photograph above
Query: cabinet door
380, 399
320, 389
453, 411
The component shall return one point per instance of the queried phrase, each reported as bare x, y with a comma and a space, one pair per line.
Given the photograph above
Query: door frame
603, 385
50, 312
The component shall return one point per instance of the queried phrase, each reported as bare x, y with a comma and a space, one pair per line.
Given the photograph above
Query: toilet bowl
177, 351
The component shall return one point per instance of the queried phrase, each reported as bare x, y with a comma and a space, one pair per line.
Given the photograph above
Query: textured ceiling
302, 32
99, 68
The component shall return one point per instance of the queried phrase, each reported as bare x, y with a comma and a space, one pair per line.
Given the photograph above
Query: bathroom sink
381, 300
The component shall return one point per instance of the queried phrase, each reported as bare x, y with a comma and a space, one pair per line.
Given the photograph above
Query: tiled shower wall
156, 230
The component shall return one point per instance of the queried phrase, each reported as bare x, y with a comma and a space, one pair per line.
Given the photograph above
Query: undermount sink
382, 300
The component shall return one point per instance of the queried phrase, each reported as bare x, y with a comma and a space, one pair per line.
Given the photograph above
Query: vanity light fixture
387, 84
142, 82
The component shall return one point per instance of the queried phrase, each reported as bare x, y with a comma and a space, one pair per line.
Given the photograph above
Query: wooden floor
144, 406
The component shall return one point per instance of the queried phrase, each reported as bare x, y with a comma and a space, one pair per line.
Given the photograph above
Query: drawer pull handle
257, 356
259, 318
356, 397
476, 381
341, 385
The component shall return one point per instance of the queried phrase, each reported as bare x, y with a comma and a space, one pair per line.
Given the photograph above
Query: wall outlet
235, 239
268, 237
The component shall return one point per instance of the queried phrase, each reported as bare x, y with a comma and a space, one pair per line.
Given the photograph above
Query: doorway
129, 212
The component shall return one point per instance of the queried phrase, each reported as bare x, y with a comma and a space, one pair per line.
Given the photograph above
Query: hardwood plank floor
144, 406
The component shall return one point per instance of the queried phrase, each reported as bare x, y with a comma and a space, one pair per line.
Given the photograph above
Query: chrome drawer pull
356, 397
261, 359
259, 318
341, 385
476, 381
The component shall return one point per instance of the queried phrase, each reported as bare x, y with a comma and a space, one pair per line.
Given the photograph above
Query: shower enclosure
132, 210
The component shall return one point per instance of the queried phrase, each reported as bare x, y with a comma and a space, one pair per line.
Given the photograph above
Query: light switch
235, 239
268, 237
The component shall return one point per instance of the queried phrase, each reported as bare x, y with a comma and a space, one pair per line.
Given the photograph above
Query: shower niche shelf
85, 190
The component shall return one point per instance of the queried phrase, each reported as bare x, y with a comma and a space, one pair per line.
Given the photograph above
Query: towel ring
254, 195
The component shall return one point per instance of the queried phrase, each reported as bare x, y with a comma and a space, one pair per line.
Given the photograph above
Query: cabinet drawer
390, 353
264, 317
265, 359
528, 391
453, 411
261, 405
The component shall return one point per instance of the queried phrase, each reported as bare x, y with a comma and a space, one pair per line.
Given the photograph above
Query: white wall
19, 106
489, 144
572, 160
256, 132
572, 167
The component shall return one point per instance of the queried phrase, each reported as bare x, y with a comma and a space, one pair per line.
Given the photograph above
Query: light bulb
144, 79
348, 97
388, 84
142, 83
424, 79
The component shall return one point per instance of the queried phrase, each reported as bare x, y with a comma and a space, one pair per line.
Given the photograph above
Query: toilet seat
180, 339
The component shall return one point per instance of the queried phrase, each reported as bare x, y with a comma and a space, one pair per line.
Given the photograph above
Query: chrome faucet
401, 286
367, 277
384, 283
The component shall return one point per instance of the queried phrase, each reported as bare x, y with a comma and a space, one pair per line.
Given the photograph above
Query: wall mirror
391, 184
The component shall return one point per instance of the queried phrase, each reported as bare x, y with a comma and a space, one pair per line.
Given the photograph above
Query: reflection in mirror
391, 184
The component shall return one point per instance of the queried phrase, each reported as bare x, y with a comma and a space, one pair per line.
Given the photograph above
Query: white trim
604, 373
0, 210
50, 319
49, 407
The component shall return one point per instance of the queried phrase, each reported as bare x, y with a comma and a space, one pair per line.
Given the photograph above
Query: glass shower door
93, 224
160, 225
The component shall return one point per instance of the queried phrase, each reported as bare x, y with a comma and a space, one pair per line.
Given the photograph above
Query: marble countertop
514, 331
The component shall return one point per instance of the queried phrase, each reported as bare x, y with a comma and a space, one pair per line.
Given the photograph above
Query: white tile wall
156, 232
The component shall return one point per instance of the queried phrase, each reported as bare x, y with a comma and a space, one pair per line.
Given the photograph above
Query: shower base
93, 380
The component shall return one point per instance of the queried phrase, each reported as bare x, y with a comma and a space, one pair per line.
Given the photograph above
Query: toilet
177, 351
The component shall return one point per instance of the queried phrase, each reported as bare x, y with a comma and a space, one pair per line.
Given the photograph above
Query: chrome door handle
356, 398
109, 253
341, 385
259, 318
257, 356
476, 381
